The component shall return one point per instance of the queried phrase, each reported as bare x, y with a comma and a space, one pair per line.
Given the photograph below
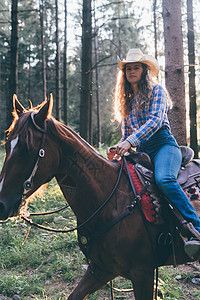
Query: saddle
188, 176
189, 173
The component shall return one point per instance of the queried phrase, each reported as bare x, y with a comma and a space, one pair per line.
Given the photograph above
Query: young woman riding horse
142, 106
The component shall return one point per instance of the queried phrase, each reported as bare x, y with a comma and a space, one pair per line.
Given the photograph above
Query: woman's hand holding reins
120, 149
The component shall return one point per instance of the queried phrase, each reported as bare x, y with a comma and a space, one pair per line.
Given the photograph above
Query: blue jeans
167, 162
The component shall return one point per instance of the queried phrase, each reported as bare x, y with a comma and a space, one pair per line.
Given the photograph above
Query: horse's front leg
143, 283
93, 280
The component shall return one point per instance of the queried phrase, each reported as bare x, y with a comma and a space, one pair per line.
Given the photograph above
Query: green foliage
175, 283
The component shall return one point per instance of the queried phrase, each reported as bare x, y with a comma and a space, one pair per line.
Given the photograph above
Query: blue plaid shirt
139, 127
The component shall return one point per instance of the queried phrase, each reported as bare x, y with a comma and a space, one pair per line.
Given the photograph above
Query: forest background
49, 38
53, 46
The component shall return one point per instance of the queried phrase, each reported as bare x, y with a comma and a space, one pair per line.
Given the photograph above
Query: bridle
28, 184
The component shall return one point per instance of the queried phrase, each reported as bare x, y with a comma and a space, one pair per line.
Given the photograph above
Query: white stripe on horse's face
1, 184
13, 143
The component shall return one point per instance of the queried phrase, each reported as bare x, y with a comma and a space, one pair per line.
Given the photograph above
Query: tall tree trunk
86, 72
119, 29
192, 86
29, 71
58, 88
90, 115
43, 50
0, 100
97, 83
65, 87
13, 83
155, 29
174, 67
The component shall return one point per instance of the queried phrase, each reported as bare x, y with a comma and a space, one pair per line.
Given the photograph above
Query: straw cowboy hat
136, 55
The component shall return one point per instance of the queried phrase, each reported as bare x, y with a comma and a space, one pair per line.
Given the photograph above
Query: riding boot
192, 248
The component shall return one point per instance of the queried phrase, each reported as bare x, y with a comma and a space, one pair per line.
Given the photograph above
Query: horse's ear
18, 107
44, 112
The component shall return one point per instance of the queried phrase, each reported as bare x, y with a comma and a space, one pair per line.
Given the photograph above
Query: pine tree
14, 59
174, 67
192, 86
86, 72
58, 82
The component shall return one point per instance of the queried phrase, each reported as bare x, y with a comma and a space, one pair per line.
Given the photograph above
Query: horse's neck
88, 179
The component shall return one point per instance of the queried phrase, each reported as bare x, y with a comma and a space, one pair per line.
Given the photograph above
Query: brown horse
86, 180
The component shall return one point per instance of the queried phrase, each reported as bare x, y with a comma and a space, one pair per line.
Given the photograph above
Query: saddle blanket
150, 202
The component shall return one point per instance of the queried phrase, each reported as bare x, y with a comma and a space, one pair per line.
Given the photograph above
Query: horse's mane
62, 131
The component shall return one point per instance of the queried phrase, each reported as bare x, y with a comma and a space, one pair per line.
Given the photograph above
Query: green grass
49, 265
24, 268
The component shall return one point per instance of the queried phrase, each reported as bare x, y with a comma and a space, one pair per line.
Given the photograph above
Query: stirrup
192, 231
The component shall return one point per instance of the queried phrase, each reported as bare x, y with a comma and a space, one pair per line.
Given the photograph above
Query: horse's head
27, 165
